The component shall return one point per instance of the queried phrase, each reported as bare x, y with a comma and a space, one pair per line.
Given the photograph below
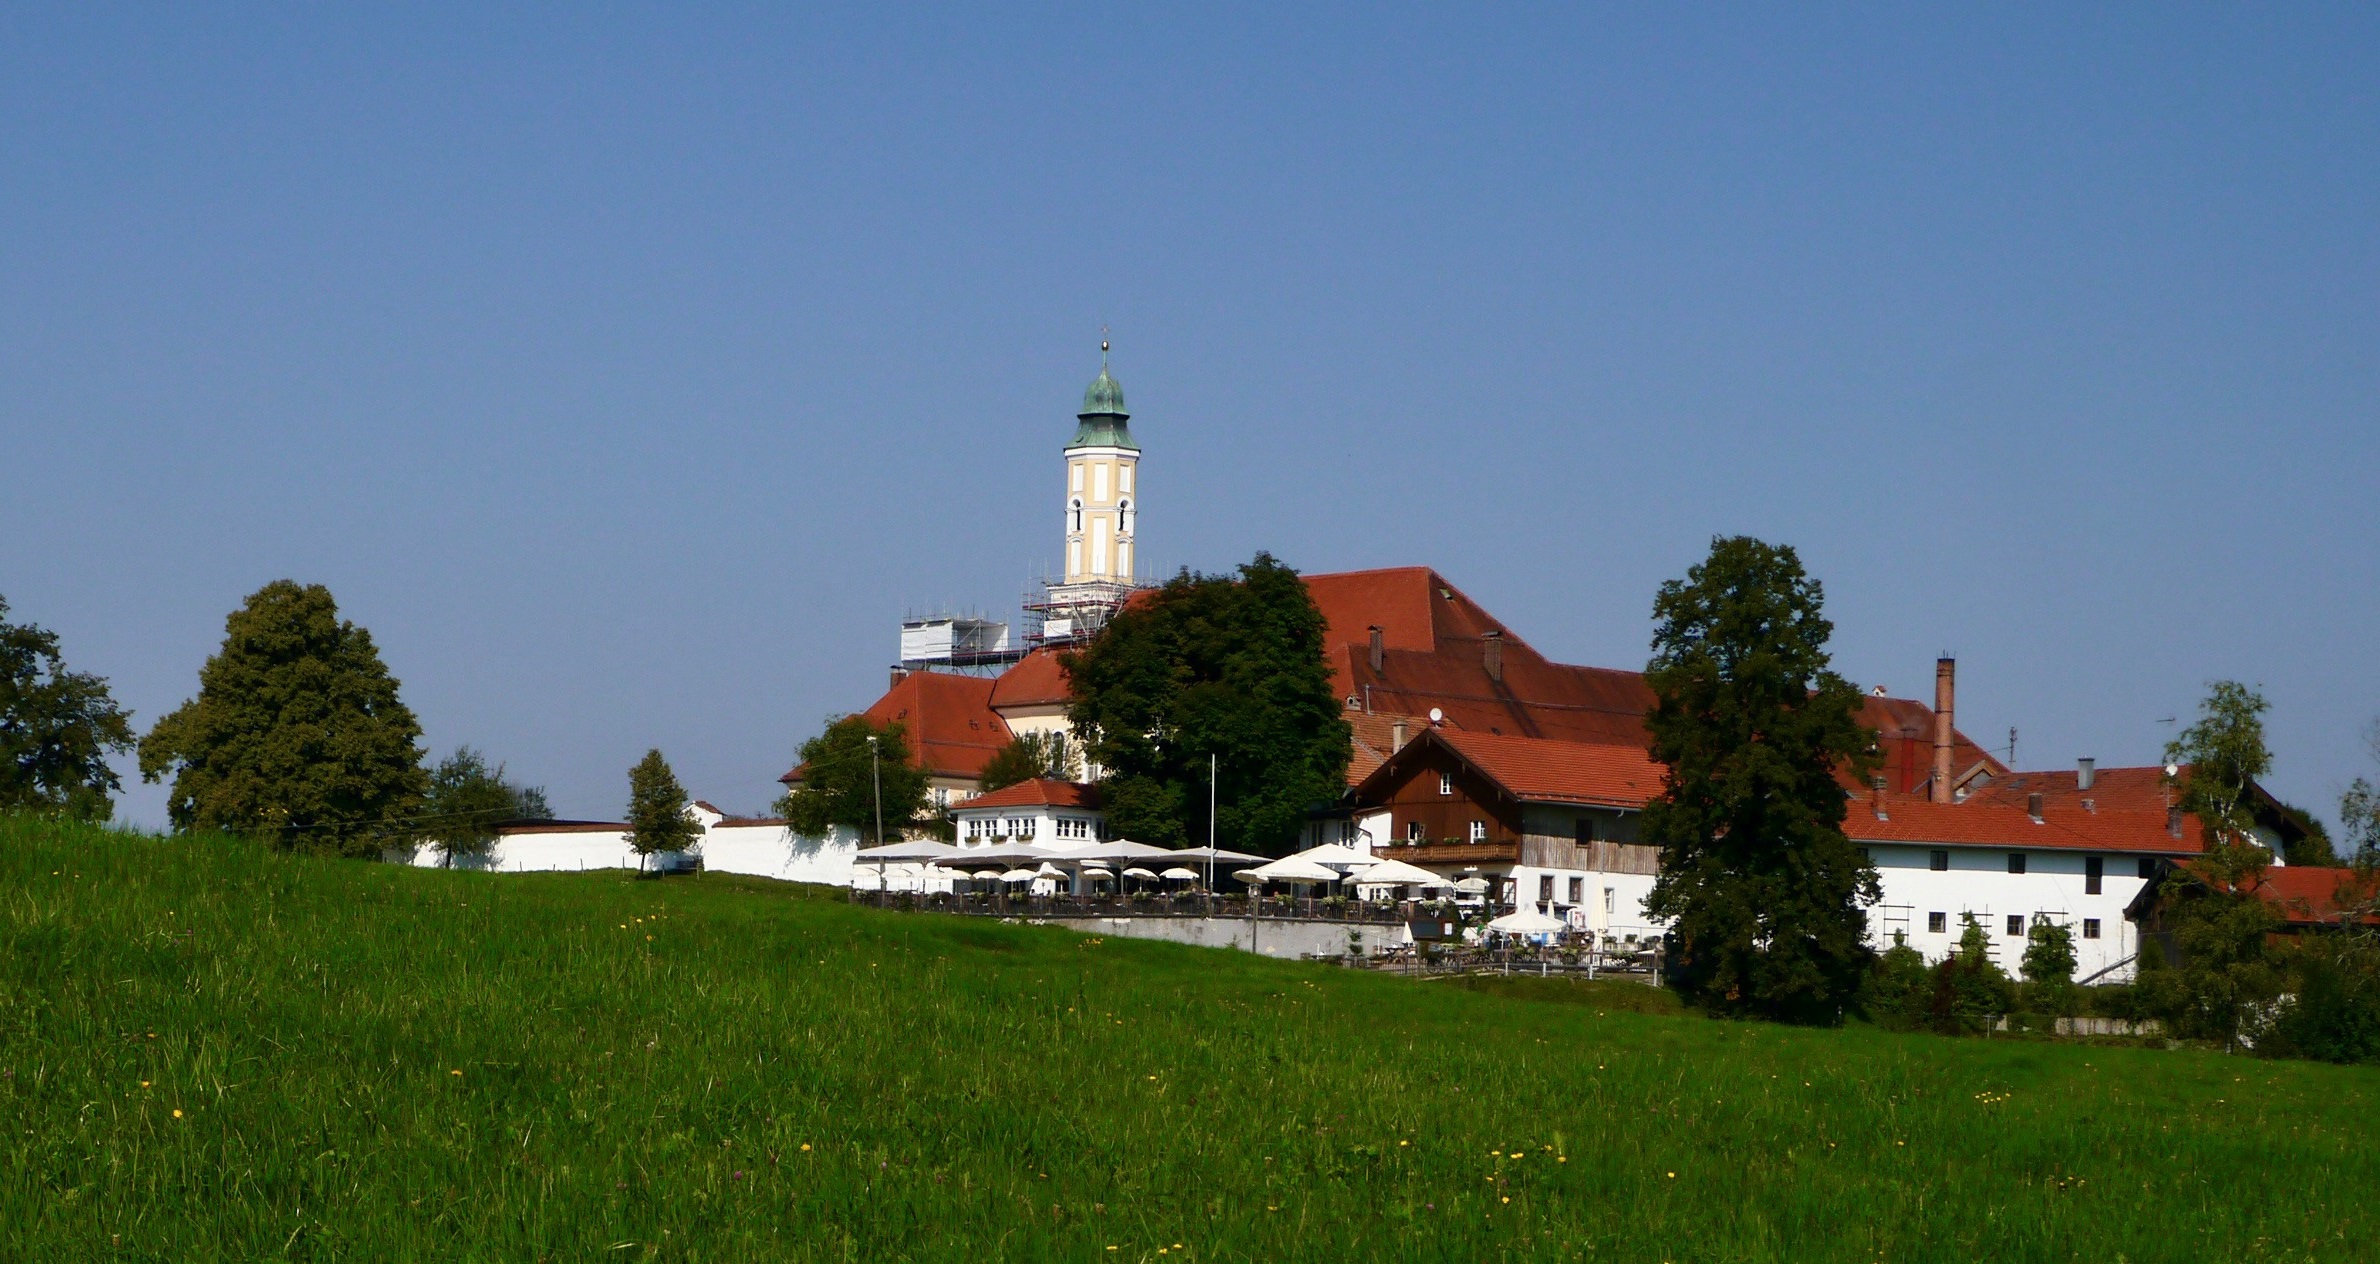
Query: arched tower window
1075, 517
1124, 516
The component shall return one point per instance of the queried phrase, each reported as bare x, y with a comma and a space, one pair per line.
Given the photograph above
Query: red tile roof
953, 731
1433, 642
1044, 793
2307, 895
1539, 771
1984, 822
1534, 770
1037, 680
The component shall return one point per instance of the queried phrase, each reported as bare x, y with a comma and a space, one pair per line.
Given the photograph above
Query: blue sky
630, 373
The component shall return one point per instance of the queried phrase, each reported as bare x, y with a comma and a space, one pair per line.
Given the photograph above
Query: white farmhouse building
760, 846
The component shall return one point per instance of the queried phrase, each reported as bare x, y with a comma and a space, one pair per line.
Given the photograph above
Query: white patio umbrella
1331, 854
1138, 872
1019, 875
1292, 869
1528, 921
1472, 886
985, 873
1397, 873
1177, 874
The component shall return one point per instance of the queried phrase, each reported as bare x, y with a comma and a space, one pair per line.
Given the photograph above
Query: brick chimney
899, 674
1876, 798
1379, 648
2086, 773
1491, 653
1945, 698
1396, 736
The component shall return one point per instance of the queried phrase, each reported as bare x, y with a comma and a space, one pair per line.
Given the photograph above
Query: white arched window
1075, 517
1124, 513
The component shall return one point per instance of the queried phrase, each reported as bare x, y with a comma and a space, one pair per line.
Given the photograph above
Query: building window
2016, 925
2148, 868
1445, 783
1610, 901
1586, 830
1545, 888
1938, 861
2090, 928
1124, 517
1937, 923
1865, 858
1413, 832
2016, 862
1479, 831
2094, 871
1348, 833
1578, 890
1077, 508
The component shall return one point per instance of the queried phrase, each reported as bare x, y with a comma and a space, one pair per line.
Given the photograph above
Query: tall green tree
2224, 753
842, 778
2359, 813
657, 819
1764, 893
1212, 665
57, 729
468, 798
2049, 966
297, 734
2223, 976
1028, 756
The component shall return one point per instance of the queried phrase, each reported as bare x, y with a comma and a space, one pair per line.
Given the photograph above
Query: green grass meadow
208, 1052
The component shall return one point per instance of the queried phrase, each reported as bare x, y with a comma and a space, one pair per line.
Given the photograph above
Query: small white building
760, 846
1045, 811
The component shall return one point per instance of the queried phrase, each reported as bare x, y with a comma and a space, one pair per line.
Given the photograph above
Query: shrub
2334, 1015
1970, 989
1897, 988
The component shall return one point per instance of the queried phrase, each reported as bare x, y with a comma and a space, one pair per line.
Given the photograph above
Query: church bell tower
1102, 512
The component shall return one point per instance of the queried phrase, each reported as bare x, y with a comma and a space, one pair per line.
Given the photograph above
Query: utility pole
876, 778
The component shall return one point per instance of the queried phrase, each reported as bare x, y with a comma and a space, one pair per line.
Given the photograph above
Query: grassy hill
209, 1052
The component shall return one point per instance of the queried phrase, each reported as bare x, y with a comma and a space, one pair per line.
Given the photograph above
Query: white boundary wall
766, 851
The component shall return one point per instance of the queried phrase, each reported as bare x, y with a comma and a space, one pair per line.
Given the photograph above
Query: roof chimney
1396, 736
2086, 773
2173, 822
1876, 798
899, 674
1379, 648
2033, 806
1491, 653
1945, 696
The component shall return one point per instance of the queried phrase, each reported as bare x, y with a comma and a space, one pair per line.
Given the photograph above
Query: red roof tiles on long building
1047, 792
952, 730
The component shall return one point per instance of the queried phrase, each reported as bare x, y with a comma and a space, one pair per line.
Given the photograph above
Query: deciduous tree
57, 728
297, 734
467, 799
1028, 756
2049, 966
1763, 891
657, 819
840, 780
2223, 752
1210, 665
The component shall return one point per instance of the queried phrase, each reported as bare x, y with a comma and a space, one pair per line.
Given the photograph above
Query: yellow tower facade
1102, 488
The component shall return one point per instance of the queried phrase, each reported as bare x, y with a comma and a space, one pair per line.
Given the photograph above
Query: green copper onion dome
1103, 414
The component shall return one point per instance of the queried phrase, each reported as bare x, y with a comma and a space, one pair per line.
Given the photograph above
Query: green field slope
208, 1052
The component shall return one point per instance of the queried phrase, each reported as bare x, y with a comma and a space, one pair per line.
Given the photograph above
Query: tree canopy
2359, 812
841, 778
297, 734
57, 728
2224, 752
1210, 665
657, 820
1028, 756
467, 799
1764, 892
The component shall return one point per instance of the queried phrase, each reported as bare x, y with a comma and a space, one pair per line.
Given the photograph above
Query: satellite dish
1437, 716
2173, 770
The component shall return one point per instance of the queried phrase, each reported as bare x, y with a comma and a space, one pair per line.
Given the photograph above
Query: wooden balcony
1495, 851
